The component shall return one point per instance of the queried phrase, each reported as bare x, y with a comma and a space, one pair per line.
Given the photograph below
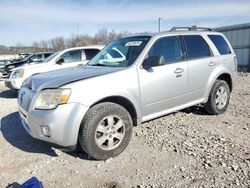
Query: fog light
45, 130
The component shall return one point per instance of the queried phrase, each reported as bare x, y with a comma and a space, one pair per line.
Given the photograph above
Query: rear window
90, 53
220, 44
47, 55
197, 47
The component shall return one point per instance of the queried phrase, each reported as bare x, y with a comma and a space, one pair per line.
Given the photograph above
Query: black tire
211, 107
88, 134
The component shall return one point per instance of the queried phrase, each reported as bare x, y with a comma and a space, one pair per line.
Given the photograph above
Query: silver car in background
98, 104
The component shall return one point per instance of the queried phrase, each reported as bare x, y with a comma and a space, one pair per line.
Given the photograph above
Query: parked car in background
67, 58
97, 105
3, 63
31, 59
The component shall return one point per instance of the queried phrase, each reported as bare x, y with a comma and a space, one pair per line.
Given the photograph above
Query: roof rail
192, 28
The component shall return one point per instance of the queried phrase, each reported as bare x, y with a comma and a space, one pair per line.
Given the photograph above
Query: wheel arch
124, 102
222, 74
227, 78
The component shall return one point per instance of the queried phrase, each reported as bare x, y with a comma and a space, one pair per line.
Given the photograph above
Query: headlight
50, 98
18, 73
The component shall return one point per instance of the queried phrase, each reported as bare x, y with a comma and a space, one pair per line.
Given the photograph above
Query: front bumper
13, 83
63, 123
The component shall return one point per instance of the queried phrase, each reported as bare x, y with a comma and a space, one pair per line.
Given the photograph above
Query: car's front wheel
105, 130
218, 98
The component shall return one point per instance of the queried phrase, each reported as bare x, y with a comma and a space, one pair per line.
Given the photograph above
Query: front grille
25, 97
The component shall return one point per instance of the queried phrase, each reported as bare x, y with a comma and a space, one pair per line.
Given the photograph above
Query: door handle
178, 71
211, 64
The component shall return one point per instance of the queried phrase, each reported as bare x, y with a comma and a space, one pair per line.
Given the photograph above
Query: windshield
2, 63
27, 58
120, 53
50, 57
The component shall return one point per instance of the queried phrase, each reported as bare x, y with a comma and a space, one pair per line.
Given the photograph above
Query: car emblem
21, 97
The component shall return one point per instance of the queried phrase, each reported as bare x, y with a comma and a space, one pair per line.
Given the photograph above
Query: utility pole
159, 24
77, 30
77, 36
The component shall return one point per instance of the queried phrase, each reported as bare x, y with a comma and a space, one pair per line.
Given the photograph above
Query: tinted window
168, 47
90, 53
196, 46
50, 57
72, 56
46, 55
220, 44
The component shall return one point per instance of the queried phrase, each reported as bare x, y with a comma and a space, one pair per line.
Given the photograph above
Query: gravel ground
183, 149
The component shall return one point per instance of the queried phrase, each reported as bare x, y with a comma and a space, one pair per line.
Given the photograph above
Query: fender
219, 70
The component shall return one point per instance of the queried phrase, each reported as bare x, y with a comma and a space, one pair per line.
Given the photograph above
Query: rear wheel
218, 98
105, 131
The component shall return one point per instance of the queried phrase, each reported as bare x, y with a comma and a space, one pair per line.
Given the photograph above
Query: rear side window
46, 55
220, 44
90, 53
169, 48
197, 47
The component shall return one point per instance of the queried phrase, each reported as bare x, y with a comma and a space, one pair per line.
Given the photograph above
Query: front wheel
218, 98
105, 130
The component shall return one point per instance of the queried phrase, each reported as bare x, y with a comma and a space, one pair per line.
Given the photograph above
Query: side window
197, 47
72, 56
220, 44
46, 55
169, 48
90, 53
37, 57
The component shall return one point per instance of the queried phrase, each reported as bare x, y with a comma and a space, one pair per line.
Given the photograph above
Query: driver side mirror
153, 61
60, 61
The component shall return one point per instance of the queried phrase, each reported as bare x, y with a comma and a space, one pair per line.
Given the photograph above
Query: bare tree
103, 36
57, 43
44, 45
35, 47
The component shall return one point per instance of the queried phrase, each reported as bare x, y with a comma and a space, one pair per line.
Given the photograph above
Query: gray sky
26, 21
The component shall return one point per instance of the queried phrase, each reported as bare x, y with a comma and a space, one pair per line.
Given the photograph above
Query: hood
16, 63
58, 78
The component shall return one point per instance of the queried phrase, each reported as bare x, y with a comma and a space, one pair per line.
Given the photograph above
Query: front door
164, 87
72, 58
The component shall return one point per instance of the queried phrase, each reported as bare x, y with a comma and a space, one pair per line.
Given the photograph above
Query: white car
67, 58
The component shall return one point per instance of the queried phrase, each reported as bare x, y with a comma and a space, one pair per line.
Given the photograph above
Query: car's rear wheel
105, 131
218, 98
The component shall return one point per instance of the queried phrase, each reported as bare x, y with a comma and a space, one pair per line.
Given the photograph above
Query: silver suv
132, 80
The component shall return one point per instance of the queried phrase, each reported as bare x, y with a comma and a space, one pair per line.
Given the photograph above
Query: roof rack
192, 28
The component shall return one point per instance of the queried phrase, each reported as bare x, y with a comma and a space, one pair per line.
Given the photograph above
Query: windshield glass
27, 58
120, 53
2, 63
50, 57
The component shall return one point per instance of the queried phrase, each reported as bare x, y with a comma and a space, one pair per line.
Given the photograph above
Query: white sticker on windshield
133, 43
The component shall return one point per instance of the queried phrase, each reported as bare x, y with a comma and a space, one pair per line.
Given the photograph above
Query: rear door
164, 87
201, 63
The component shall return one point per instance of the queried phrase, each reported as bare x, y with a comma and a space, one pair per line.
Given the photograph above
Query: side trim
165, 112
